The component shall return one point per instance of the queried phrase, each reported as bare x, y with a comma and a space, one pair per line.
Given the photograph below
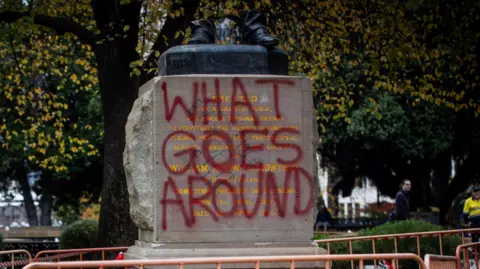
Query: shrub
80, 234
428, 245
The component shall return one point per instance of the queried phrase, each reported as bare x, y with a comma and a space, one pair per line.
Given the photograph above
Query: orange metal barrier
67, 253
12, 263
440, 262
218, 261
465, 249
50, 255
395, 237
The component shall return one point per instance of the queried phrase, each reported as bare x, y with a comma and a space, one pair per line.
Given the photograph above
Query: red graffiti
297, 148
283, 196
178, 101
198, 200
267, 185
177, 201
228, 140
275, 83
217, 100
237, 86
188, 152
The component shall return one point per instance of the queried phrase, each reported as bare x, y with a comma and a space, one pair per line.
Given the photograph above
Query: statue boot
203, 32
254, 30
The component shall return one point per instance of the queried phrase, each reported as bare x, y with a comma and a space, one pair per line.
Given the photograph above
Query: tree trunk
46, 201
443, 169
21, 175
119, 91
461, 181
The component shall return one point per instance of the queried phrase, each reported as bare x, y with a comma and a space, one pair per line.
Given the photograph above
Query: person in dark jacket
402, 206
323, 218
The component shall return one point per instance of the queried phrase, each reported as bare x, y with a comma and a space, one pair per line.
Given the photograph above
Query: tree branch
169, 29
59, 24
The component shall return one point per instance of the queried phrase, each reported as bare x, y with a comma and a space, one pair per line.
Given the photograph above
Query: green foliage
80, 234
49, 100
428, 245
391, 82
67, 213
51, 118
85, 209
384, 120
1, 241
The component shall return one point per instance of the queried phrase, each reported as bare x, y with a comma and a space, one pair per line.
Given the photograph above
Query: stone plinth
223, 59
244, 183
143, 250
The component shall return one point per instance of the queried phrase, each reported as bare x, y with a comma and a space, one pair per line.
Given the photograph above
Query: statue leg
203, 32
254, 30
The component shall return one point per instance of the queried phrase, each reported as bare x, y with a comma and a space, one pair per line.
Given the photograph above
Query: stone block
142, 250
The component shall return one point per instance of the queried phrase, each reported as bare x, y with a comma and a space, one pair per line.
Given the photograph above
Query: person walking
471, 212
402, 205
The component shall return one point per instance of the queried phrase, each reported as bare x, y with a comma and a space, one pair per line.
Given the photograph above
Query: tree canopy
125, 39
50, 110
401, 99
45, 86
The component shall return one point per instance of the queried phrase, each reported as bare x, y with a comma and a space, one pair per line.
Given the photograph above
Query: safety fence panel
440, 262
217, 262
467, 256
371, 242
395, 238
22, 257
79, 254
18, 257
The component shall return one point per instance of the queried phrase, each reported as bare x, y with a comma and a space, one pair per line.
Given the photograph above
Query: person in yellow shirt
471, 212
